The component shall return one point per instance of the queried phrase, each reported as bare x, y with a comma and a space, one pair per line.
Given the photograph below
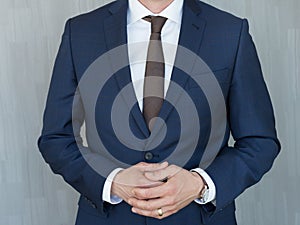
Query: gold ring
160, 212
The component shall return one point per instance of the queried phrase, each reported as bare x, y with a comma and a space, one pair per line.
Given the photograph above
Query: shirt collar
137, 11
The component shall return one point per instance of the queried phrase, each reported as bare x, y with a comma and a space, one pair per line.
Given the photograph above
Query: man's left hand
180, 189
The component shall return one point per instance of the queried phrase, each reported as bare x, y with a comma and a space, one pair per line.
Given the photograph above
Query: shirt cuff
106, 194
210, 184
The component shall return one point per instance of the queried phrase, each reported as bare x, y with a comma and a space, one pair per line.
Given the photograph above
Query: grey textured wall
30, 33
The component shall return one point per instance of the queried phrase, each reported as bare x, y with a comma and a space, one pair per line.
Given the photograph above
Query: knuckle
147, 207
140, 164
131, 202
137, 204
172, 201
146, 193
141, 193
173, 167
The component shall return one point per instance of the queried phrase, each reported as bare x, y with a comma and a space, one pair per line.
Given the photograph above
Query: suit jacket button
148, 156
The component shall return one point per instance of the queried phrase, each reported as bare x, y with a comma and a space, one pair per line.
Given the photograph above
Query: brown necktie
154, 73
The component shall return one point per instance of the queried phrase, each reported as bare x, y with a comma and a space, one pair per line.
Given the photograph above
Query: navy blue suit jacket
223, 42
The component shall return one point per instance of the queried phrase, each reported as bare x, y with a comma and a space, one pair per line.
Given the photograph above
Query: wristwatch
204, 194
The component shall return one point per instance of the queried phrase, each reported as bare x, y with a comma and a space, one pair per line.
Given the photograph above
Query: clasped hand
144, 186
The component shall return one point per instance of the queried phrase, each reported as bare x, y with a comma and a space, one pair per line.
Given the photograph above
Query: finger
162, 174
151, 204
152, 192
143, 182
152, 166
167, 211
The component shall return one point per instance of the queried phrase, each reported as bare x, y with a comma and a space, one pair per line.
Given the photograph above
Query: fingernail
133, 210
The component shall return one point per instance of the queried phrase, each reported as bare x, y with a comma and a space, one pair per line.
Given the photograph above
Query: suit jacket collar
115, 25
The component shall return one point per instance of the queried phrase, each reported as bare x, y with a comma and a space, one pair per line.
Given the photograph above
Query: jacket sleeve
252, 125
60, 142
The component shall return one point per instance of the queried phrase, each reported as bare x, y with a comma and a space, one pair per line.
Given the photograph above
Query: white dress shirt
139, 31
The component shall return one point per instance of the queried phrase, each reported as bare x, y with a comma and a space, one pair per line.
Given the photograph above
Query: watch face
205, 195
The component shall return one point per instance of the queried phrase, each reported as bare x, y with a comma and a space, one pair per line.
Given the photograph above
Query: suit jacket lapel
191, 33
115, 28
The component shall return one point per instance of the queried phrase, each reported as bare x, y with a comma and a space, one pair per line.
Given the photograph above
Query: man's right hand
132, 177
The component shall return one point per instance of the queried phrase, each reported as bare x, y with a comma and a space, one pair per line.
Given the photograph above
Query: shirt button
148, 156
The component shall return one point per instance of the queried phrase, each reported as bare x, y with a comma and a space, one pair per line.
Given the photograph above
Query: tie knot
157, 23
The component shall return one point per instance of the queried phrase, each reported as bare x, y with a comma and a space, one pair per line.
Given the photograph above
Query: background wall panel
30, 34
